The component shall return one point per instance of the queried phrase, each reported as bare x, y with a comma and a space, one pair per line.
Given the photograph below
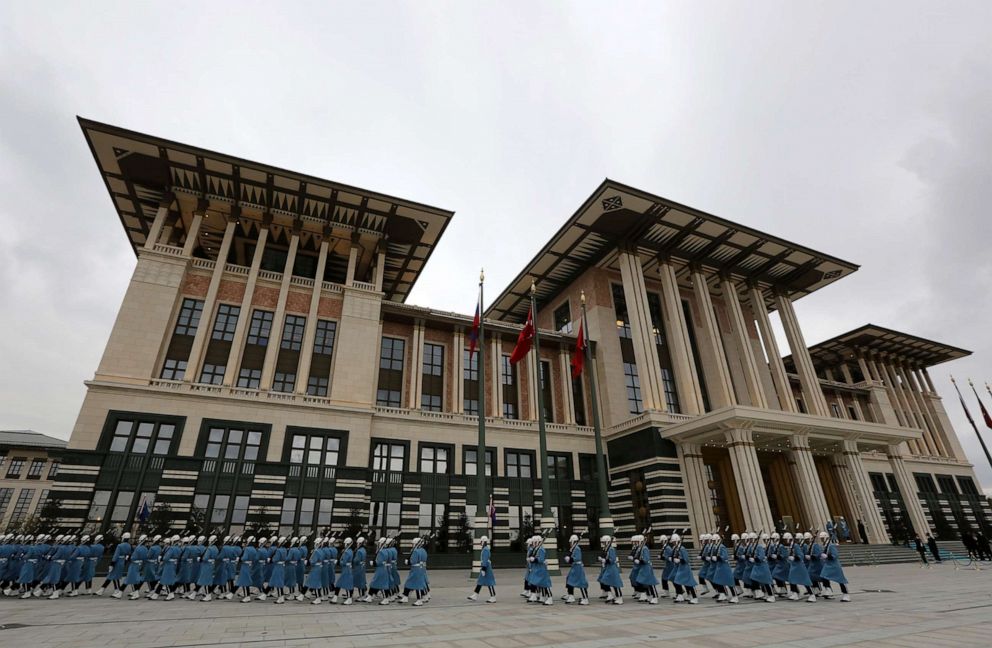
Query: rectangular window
470, 378
98, 507
324, 511
433, 460
307, 505
563, 318
967, 485
546, 400
284, 381
508, 377
559, 465
578, 399
317, 386
288, 515
212, 374
324, 341
801, 405
226, 322
315, 450
432, 388
519, 520
232, 443
852, 413
318, 382
37, 466
389, 392
389, 456
519, 464
240, 511
835, 410
5, 495
53, 470
430, 517
878, 483
249, 378
15, 468
42, 501
189, 317
260, 327
472, 462
671, 394
122, 506
174, 369
385, 517
925, 484
21, 507
620, 308
947, 485
633, 384
142, 437
292, 332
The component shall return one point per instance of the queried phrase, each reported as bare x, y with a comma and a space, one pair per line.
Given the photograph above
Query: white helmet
262, 540
787, 536
807, 536
347, 542
637, 538
704, 537
663, 539
360, 541
303, 539
380, 542
281, 539
212, 539
775, 536
168, 540
735, 538
98, 538
824, 535
251, 539
573, 538
126, 536
156, 538
142, 538
85, 538
485, 540
674, 538
764, 536
176, 538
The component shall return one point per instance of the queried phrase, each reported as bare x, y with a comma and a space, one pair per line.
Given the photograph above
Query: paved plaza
894, 605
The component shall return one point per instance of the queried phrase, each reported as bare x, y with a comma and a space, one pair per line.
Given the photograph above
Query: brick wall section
558, 416
298, 302
329, 308
231, 292
265, 297
195, 285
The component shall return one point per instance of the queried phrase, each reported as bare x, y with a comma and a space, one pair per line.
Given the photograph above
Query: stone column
719, 385
752, 378
565, 369
279, 318
679, 346
775, 365
747, 475
238, 343
697, 488
160, 216
352, 260
907, 487
209, 303
926, 374
863, 366
380, 268
416, 365
930, 436
809, 487
861, 494
194, 230
884, 397
310, 328
641, 331
816, 404
916, 447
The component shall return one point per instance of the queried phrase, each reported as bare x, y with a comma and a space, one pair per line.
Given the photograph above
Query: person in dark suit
921, 549
984, 551
862, 532
934, 549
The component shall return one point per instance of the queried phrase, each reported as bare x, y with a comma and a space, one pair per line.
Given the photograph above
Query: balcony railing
171, 250
237, 269
270, 275
203, 264
364, 285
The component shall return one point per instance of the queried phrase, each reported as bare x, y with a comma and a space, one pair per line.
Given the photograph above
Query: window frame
115, 417
490, 455
449, 460
375, 441
293, 431
432, 377
519, 452
390, 374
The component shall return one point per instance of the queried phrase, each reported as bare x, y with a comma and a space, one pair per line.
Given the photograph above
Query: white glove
823, 556
791, 558
678, 560
750, 559
530, 559
637, 562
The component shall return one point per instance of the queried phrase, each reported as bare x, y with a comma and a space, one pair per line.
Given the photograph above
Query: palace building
265, 369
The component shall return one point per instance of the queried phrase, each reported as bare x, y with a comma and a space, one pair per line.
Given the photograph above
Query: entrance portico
754, 469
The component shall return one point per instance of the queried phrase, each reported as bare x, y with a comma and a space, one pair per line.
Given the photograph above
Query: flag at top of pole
473, 333
524, 340
579, 356
981, 405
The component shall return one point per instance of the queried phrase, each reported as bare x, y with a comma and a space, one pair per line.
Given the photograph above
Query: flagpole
547, 517
480, 456
988, 456
605, 517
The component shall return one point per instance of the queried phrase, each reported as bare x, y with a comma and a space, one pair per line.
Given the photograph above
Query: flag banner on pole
524, 340
492, 512
579, 355
981, 406
473, 334
965, 408
145, 511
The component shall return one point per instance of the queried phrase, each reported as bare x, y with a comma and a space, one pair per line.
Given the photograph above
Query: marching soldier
831, 569
720, 573
760, 572
682, 575
798, 574
646, 579
416, 580
540, 577
609, 576
704, 557
576, 578
358, 570
249, 556
486, 576
346, 581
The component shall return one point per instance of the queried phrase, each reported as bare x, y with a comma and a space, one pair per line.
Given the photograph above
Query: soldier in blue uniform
169, 574
813, 551
798, 573
831, 569
149, 570
73, 570
721, 574
117, 564
188, 562
760, 572
379, 586
740, 561
346, 581
416, 580
667, 566
682, 576
576, 577
780, 567
358, 570
135, 566
330, 565
609, 577
24, 559
646, 578
249, 556
635, 566
486, 576
277, 578
314, 581
209, 564
528, 567
300, 566
705, 564
93, 556
540, 577
394, 569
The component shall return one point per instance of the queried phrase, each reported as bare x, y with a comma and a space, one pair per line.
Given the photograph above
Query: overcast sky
861, 129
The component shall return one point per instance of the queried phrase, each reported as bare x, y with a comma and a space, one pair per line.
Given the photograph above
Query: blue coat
416, 580
118, 561
610, 575
540, 577
134, 568
645, 575
187, 562
683, 569
394, 571
704, 571
380, 578
278, 576
27, 574
798, 574
330, 563
208, 564
740, 558
760, 572
346, 580
486, 576
301, 559
170, 565
749, 565
293, 565
358, 568
261, 567
74, 565
832, 570
669, 566
720, 572
315, 577
782, 567
93, 556
248, 559
149, 571
635, 567
815, 564
576, 572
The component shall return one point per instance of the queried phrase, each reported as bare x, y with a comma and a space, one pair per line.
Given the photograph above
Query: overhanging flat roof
879, 339
141, 170
617, 216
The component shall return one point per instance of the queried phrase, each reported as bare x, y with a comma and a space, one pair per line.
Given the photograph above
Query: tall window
5, 495
620, 308
260, 327
15, 468
549, 406
432, 389
433, 460
470, 376
389, 456
219, 348
177, 355
390, 390
292, 332
508, 377
53, 470
232, 443
253, 358
472, 462
315, 449
226, 322
21, 507
633, 384
320, 361
519, 519
519, 464
664, 360
559, 465
563, 318
37, 466
142, 436
430, 517
967, 485
42, 501
122, 506
288, 360
250, 378
98, 507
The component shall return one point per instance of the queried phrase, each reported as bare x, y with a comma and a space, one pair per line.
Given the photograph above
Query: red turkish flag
524, 341
579, 355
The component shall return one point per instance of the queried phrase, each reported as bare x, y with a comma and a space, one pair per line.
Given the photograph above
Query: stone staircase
876, 554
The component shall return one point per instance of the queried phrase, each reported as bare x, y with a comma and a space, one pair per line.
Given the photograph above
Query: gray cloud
861, 130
